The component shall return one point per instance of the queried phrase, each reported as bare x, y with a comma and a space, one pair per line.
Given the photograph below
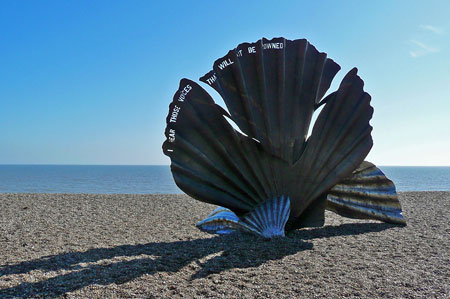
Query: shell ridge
187, 104
319, 70
316, 179
305, 108
220, 221
219, 147
369, 212
253, 106
268, 214
256, 165
227, 82
219, 210
339, 138
280, 98
380, 203
204, 192
301, 136
259, 164
275, 172
335, 176
241, 94
323, 122
331, 68
215, 171
373, 199
209, 182
229, 98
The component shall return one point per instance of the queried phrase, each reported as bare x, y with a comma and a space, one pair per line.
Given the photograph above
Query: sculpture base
269, 218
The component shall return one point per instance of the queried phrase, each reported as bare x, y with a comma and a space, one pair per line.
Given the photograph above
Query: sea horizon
157, 179
56, 164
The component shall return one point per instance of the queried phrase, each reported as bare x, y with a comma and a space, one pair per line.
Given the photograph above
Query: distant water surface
158, 179
86, 179
419, 178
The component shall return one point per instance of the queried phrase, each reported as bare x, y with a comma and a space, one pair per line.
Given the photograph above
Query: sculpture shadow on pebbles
202, 257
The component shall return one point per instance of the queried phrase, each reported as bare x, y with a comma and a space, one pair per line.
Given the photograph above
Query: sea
110, 179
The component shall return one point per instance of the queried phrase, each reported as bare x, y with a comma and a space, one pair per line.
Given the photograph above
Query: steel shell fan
268, 177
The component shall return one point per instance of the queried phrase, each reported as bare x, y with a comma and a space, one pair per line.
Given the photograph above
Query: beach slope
80, 245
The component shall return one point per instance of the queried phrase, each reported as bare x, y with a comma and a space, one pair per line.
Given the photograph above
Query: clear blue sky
89, 82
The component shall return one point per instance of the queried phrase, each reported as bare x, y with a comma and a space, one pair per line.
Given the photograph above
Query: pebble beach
98, 245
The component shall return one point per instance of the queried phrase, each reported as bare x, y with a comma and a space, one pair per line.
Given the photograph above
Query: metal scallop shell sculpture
268, 177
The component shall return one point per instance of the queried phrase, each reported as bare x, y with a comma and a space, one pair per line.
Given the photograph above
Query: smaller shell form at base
221, 221
266, 220
269, 218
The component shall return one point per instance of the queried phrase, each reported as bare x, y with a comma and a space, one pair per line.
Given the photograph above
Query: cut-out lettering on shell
269, 177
